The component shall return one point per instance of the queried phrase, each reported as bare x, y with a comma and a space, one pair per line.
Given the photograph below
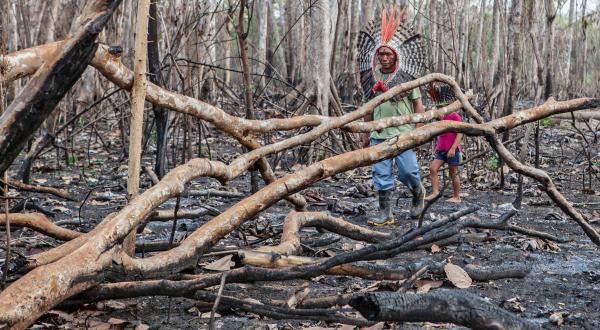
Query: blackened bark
48, 86
161, 115
440, 306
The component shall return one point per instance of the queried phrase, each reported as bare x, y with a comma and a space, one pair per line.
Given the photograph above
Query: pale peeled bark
138, 96
262, 12
317, 72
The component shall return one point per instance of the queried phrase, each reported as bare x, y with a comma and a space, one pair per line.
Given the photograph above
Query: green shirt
391, 109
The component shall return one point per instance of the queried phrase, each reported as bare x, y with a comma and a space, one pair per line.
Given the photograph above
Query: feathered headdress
389, 31
439, 94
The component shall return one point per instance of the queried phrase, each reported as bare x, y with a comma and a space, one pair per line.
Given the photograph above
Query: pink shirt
446, 140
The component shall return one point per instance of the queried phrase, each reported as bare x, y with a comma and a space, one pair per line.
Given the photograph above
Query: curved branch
39, 223
290, 238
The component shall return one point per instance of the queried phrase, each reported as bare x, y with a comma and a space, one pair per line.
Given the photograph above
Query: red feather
433, 93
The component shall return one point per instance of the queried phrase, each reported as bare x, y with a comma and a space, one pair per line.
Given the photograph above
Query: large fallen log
448, 306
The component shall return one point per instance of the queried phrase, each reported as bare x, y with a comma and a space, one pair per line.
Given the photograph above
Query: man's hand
365, 141
451, 153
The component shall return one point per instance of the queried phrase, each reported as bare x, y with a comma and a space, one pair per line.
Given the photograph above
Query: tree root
456, 307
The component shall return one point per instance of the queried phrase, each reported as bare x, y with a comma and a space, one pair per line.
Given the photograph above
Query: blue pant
408, 170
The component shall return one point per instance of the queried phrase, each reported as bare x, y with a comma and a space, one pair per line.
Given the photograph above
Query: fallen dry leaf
222, 264
141, 327
457, 276
435, 248
423, 286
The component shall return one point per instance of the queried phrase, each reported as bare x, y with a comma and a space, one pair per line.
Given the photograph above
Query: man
381, 68
406, 162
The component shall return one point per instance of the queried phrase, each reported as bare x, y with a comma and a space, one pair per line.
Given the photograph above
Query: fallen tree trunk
448, 306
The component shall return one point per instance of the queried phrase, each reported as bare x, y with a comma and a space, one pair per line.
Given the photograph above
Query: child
447, 150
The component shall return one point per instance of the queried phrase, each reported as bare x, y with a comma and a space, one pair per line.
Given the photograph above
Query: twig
431, 202
211, 324
7, 259
409, 282
174, 228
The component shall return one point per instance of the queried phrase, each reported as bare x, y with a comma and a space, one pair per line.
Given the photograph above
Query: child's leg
435, 182
455, 184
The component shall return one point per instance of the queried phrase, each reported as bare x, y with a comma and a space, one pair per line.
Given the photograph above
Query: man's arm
418, 108
454, 146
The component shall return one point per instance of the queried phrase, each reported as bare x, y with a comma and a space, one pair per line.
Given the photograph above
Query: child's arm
452, 150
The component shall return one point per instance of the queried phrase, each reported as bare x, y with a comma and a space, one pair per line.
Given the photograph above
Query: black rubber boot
385, 216
418, 201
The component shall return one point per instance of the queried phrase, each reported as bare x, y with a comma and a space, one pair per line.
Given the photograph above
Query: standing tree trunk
138, 97
261, 11
481, 56
353, 54
317, 75
514, 51
242, 34
275, 57
368, 11
295, 41
161, 116
548, 49
581, 64
571, 52
493, 67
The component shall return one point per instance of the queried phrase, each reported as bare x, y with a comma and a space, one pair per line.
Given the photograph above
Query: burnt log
446, 306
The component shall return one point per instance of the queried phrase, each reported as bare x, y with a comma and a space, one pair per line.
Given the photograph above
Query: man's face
387, 59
